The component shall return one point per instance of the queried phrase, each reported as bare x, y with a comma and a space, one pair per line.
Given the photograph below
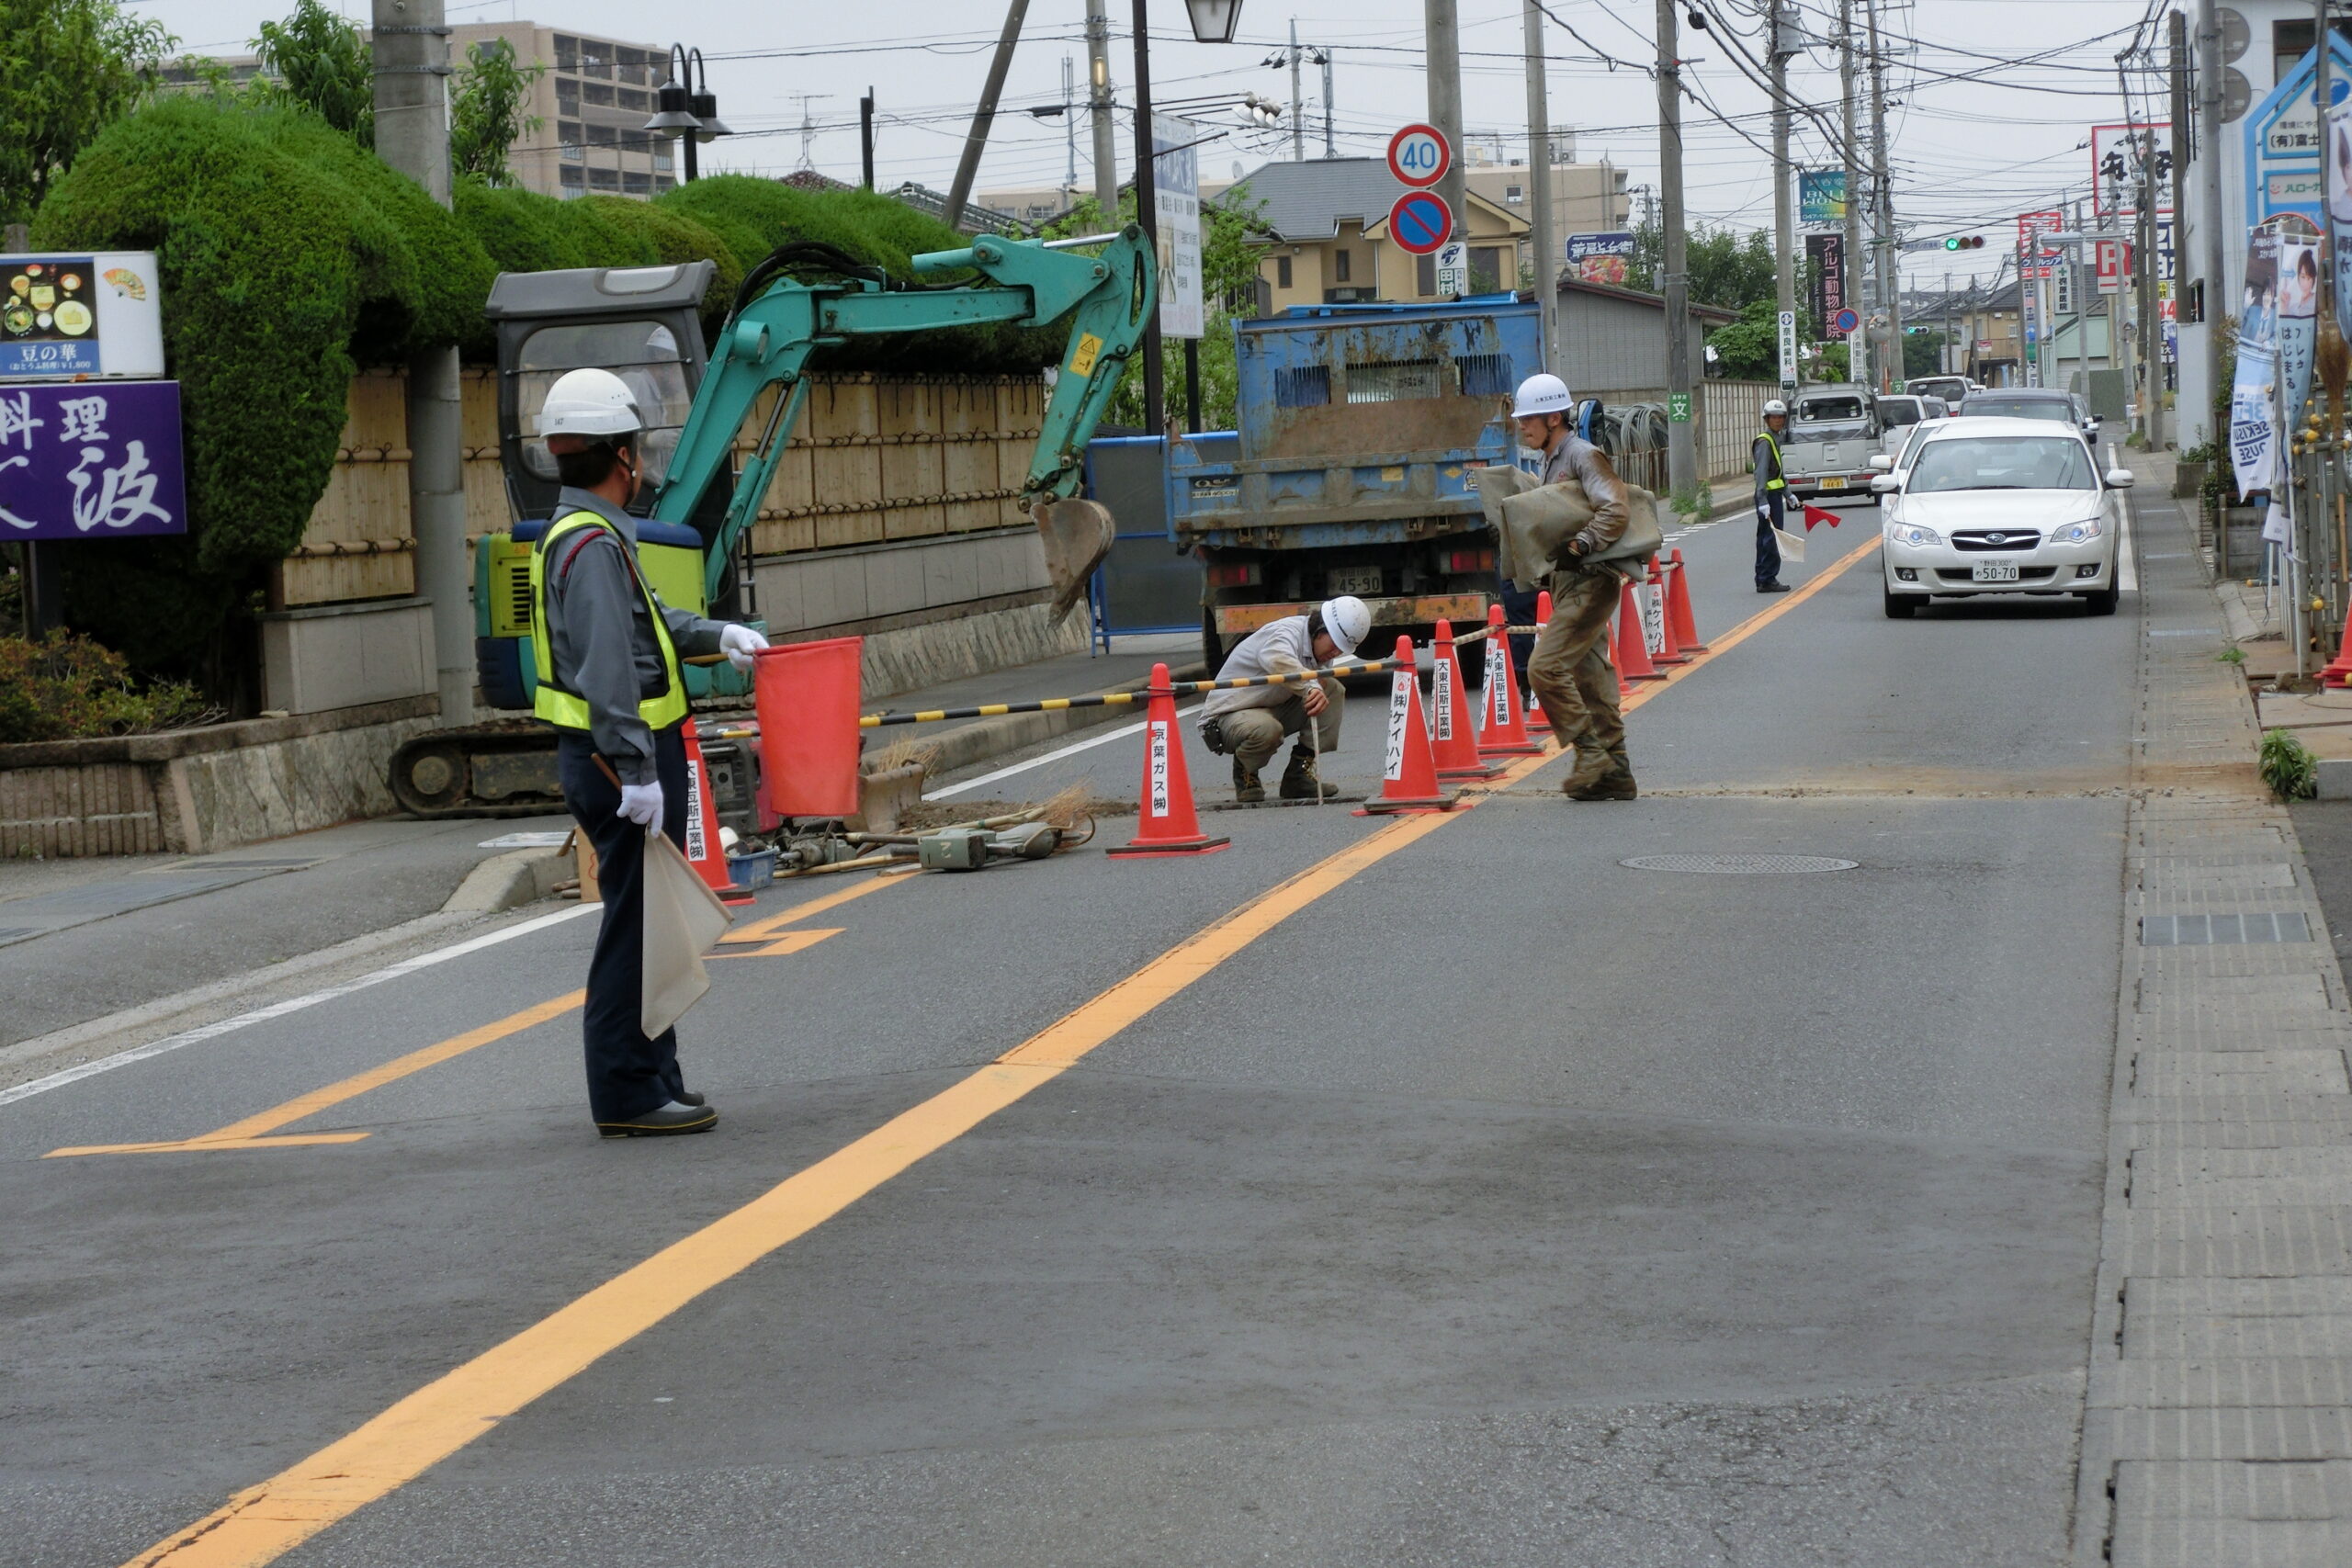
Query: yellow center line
765, 929
262, 1523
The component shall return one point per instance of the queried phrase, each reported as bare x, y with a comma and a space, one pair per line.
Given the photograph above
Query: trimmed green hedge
290, 256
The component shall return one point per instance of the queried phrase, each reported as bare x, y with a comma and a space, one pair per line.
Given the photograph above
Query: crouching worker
606, 654
1249, 724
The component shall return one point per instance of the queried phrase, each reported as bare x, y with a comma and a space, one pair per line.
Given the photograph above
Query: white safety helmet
1347, 622
590, 402
1776, 407
1543, 394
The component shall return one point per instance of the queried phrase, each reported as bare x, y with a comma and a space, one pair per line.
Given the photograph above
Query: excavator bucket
1077, 535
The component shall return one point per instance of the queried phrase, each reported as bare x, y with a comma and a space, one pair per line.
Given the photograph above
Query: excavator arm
778, 321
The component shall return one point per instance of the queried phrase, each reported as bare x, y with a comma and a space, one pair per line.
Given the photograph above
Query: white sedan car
2000, 506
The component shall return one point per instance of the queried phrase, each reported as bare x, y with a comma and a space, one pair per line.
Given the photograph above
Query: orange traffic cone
1536, 722
1456, 745
704, 849
2339, 669
1669, 650
1169, 826
1506, 732
1678, 605
1408, 782
1631, 649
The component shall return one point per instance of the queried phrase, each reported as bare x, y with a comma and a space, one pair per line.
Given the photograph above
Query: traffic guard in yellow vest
606, 651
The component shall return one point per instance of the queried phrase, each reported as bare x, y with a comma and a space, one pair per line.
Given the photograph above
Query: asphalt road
1467, 1198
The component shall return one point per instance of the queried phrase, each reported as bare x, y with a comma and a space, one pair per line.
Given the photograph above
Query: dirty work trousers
1570, 668
1768, 548
628, 1074
1253, 734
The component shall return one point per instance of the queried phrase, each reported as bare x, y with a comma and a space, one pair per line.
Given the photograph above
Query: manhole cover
1738, 865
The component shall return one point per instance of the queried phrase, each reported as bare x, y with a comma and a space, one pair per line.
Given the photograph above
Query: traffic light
1965, 243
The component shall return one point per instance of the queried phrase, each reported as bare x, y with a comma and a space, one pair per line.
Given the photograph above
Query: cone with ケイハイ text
1408, 770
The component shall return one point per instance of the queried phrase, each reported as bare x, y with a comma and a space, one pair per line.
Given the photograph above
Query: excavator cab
645, 326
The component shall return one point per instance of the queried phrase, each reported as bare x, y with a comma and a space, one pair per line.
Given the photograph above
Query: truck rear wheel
1212, 646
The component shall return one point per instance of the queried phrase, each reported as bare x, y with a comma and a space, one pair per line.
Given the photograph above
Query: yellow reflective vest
567, 709
1776, 482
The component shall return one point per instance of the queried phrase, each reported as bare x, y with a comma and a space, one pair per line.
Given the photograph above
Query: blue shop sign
91, 460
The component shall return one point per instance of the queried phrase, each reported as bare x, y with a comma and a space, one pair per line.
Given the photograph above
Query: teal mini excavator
695, 536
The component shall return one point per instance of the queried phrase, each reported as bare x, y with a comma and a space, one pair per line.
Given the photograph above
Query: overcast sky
1969, 154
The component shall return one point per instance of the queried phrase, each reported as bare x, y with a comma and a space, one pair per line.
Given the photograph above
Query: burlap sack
1529, 518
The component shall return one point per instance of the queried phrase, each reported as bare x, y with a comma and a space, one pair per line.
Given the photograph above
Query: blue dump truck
1350, 473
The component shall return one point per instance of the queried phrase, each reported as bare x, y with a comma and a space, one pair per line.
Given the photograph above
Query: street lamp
684, 106
1213, 22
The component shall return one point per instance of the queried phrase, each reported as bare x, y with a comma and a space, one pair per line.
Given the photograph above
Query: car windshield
1911, 445
2001, 462
1898, 411
1829, 410
2052, 409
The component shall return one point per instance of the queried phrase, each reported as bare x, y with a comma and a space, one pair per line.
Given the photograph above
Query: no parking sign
1421, 221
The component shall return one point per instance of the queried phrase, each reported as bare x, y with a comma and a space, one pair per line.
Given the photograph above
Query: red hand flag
1818, 514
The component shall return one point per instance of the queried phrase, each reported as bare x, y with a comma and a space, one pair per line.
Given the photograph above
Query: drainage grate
2222, 931
1738, 865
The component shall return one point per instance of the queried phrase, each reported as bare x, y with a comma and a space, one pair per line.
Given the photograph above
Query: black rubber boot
1246, 787
1300, 781
663, 1121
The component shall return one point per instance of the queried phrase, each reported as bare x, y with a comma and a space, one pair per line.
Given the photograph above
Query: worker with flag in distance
1569, 668
606, 652
1248, 724
1771, 497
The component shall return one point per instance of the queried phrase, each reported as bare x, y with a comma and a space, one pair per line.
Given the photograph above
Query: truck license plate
1996, 571
1363, 581
1834, 481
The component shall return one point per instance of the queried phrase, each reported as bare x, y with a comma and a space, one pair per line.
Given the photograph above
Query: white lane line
292, 1004
1055, 756
2127, 569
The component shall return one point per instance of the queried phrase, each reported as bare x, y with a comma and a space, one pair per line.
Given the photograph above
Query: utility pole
1329, 149
1098, 101
1544, 242
1857, 343
1298, 106
1155, 398
1069, 129
1443, 31
1681, 461
410, 50
975, 140
2215, 291
1784, 228
865, 137
1889, 259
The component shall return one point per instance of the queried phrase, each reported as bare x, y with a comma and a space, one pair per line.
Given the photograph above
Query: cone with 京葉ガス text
1678, 604
1505, 734
1170, 824
1653, 609
1454, 747
1408, 774
705, 849
1628, 646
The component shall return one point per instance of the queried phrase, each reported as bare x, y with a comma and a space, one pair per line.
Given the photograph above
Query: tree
68, 69
1750, 349
315, 59
486, 105
1723, 269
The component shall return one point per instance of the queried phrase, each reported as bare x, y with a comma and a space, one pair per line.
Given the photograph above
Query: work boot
1246, 787
1772, 588
1300, 781
1592, 766
663, 1121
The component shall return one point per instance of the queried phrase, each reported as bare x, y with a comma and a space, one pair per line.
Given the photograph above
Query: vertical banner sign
1176, 172
1653, 605
1788, 348
1824, 257
2254, 432
697, 846
1498, 700
2297, 329
91, 460
1158, 768
2339, 207
1400, 709
1441, 698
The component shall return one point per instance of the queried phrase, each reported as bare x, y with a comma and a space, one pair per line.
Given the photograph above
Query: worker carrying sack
1532, 520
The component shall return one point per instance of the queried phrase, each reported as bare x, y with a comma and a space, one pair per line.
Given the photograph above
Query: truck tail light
1237, 574
1470, 560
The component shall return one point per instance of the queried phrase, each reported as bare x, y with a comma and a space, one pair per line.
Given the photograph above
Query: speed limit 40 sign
1419, 155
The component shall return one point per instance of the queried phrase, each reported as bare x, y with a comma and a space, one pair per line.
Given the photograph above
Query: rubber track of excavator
489, 770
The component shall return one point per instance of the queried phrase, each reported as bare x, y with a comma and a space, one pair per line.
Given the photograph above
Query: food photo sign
65, 316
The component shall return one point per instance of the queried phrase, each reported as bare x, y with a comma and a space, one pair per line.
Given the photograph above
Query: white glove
642, 803
739, 643
1765, 512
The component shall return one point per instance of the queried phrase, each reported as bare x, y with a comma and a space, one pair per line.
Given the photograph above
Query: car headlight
1912, 534
2076, 533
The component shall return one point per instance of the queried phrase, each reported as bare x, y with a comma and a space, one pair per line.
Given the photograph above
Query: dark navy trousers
628, 1074
1768, 548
